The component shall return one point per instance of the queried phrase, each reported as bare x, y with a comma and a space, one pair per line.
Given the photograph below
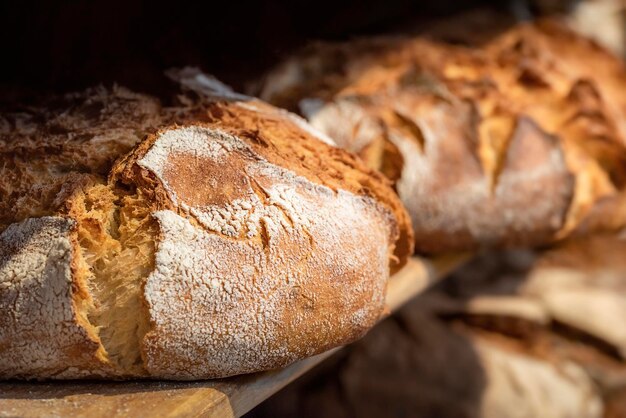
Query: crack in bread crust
117, 236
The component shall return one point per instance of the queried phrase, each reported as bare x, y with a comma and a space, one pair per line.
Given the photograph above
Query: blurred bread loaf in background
518, 142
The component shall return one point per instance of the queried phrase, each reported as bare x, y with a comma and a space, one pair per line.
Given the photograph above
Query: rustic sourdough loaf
209, 239
514, 143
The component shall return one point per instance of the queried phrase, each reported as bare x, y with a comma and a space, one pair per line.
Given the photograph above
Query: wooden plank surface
216, 398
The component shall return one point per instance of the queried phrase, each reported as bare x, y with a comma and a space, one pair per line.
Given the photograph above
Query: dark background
56, 46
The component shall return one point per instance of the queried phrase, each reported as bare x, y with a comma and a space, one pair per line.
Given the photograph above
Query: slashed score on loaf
519, 142
209, 239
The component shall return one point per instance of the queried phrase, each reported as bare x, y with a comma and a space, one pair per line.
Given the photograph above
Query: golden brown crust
501, 145
566, 59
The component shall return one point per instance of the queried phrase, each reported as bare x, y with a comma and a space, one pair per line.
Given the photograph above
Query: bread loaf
517, 143
209, 239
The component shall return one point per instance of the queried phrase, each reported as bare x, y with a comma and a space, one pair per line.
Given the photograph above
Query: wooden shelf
216, 398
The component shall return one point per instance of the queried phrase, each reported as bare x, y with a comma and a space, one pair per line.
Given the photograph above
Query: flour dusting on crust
228, 297
38, 330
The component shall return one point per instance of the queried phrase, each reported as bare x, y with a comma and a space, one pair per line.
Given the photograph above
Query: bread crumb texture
228, 240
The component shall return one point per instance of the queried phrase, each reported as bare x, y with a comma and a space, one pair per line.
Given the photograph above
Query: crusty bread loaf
513, 144
230, 239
